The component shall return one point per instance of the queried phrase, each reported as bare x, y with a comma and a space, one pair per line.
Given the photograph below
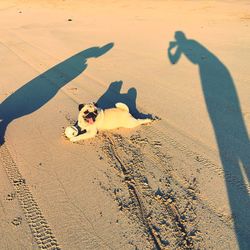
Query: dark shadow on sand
113, 95
224, 109
37, 92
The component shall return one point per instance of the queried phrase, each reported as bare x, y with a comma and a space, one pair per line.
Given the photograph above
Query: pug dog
91, 119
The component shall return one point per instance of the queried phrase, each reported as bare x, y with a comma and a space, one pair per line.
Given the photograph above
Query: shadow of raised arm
37, 92
174, 57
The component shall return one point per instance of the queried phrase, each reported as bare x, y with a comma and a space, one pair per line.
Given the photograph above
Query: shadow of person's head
180, 37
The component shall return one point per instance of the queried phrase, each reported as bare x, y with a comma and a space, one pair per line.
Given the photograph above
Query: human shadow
224, 110
37, 92
113, 95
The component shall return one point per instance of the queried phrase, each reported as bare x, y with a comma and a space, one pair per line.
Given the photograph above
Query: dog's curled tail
122, 106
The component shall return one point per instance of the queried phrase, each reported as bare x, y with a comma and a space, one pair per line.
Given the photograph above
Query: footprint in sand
17, 221
11, 196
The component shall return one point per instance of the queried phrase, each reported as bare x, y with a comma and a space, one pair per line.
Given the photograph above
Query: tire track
168, 202
152, 207
211, 209
133, 190
197, 157
156, 157
39, 227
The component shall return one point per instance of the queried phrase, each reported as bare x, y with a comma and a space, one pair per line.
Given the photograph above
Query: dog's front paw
71, 132
73, 139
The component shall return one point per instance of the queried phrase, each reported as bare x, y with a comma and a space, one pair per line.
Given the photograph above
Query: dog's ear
95, 104
80, 106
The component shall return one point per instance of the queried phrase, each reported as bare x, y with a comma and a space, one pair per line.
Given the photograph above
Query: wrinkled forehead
89, 106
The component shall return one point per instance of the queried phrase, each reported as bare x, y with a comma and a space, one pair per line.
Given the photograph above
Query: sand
181, 182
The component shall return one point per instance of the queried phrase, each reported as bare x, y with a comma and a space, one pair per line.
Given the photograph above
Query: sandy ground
181, 182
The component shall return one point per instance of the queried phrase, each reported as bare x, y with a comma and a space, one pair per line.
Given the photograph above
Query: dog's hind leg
136, 122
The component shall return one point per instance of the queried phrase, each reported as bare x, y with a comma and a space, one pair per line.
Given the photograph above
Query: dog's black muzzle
90, 115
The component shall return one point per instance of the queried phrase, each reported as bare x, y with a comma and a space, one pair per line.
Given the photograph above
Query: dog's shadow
113, 95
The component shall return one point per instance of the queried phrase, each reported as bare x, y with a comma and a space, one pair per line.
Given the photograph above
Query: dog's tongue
90, 120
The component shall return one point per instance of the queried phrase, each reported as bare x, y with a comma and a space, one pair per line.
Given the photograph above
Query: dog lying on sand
91, 119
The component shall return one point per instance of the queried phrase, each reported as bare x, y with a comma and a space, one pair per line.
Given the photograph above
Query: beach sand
181, 182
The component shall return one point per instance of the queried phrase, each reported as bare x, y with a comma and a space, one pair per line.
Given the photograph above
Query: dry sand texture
179, 183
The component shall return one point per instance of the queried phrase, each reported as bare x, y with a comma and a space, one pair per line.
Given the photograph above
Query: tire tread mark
134, 193
181, 235
198, 157
182, 184
38, 225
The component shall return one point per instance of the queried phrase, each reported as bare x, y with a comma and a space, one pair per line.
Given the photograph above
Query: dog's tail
122, 106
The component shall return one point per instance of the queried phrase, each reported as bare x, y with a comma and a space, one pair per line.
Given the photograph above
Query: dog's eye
86, 112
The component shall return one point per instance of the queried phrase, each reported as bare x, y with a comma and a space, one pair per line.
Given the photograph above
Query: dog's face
88, 112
